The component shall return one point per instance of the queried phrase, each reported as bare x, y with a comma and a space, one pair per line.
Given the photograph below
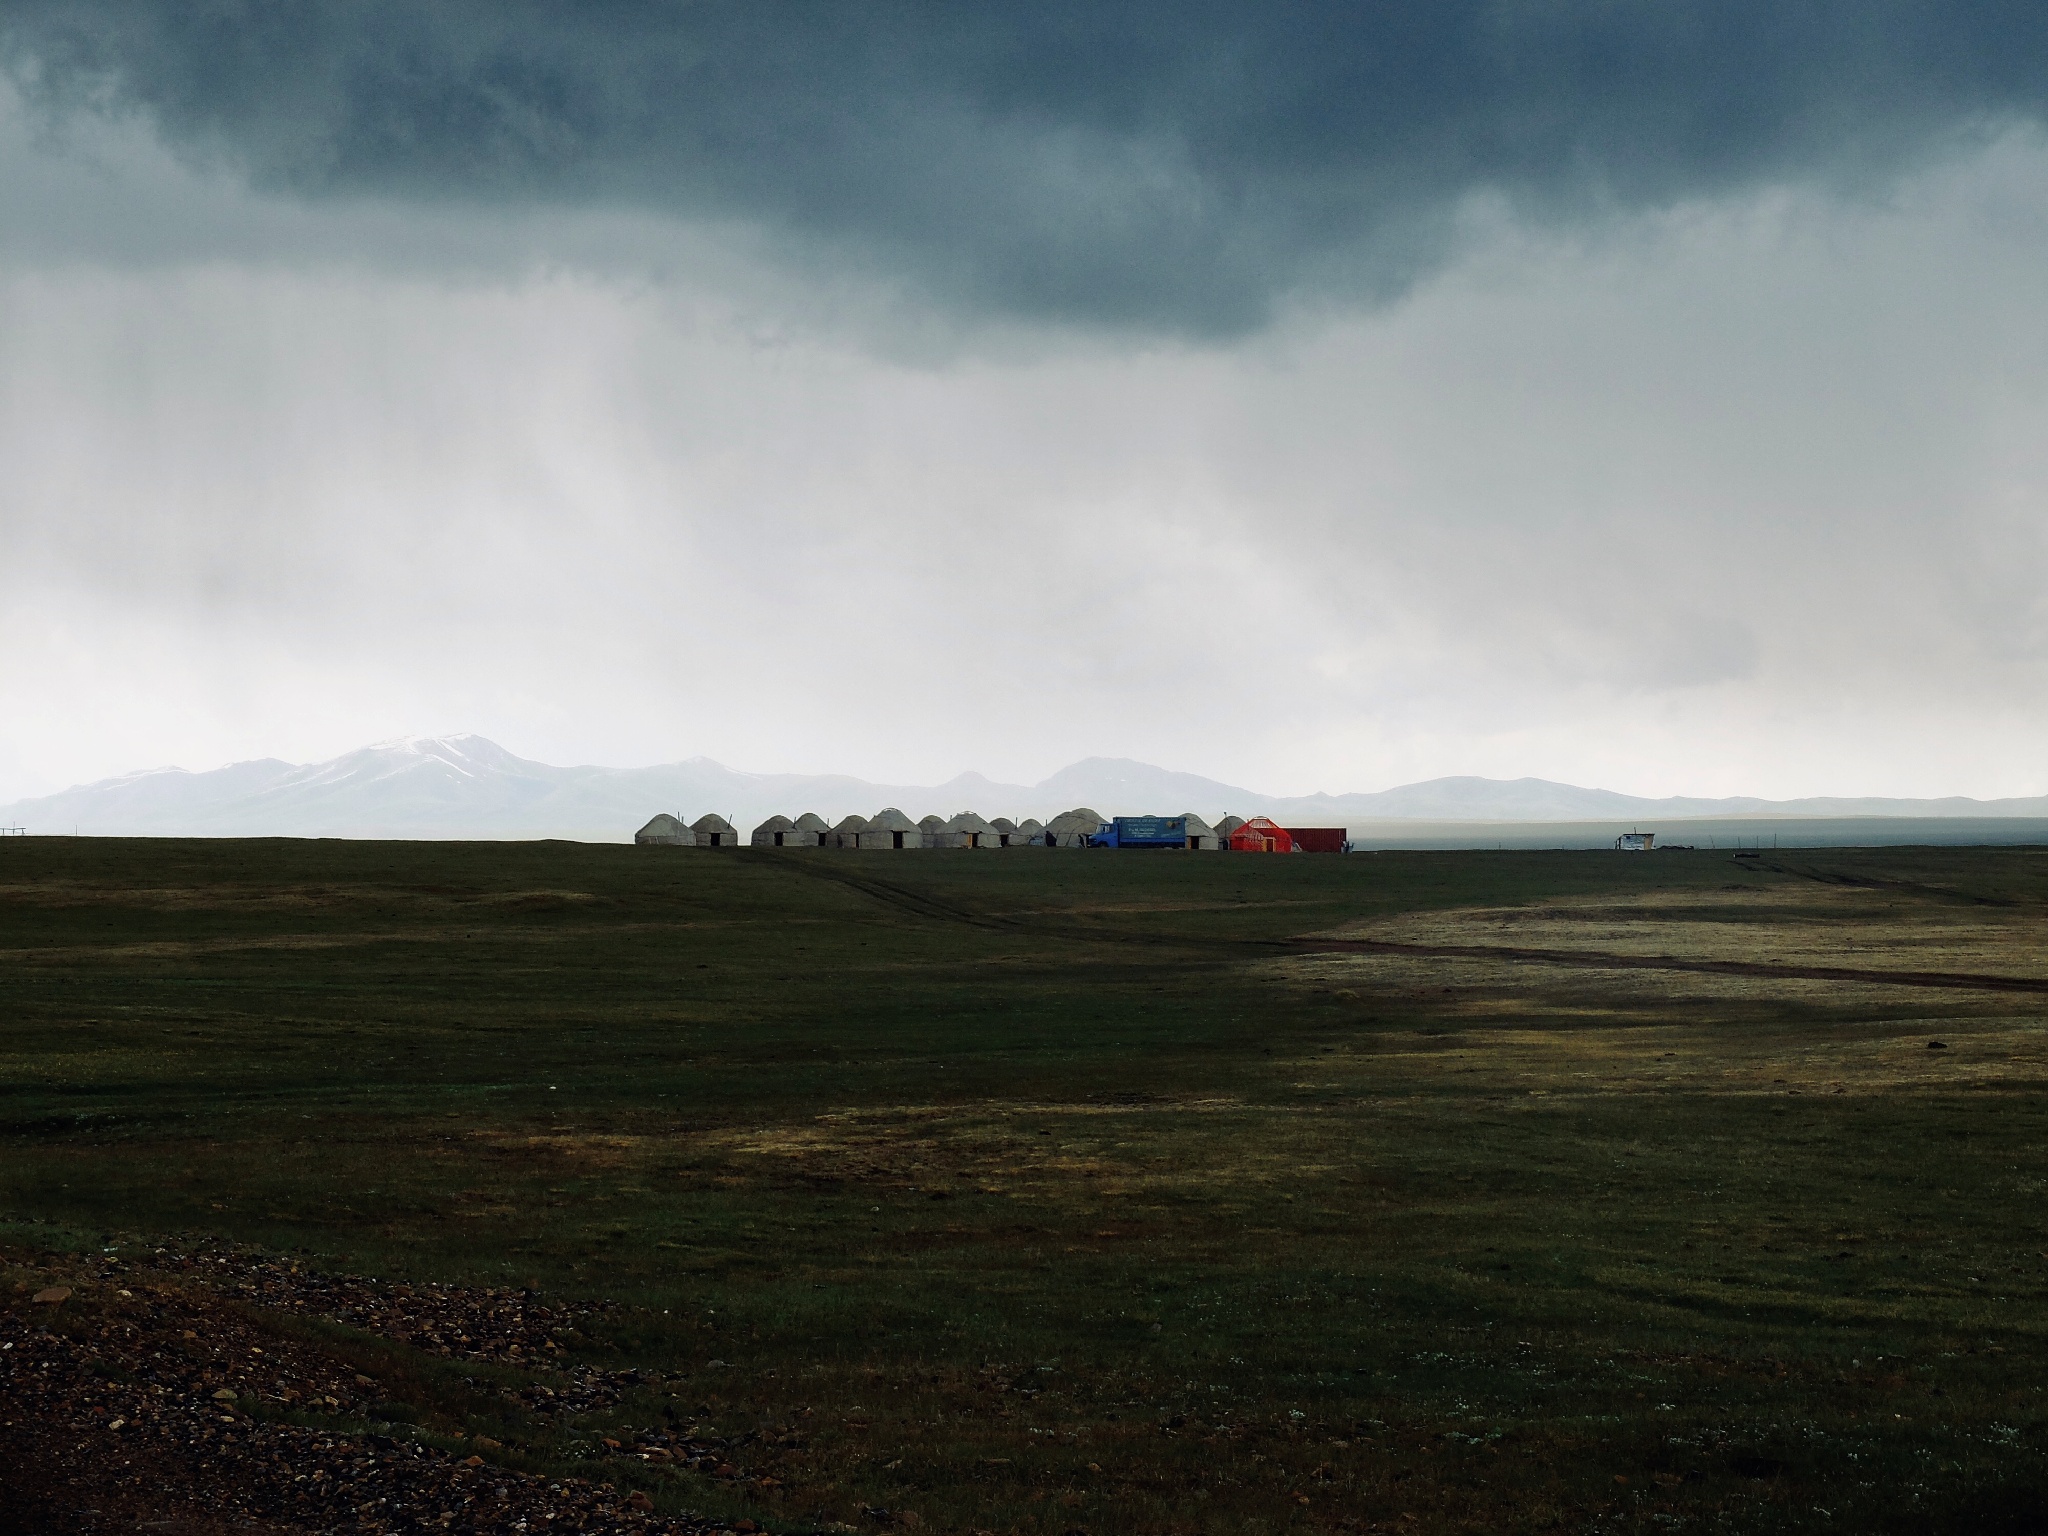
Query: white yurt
890, 828
770, 833
972, 831
715, 832
668, 831
1072, 829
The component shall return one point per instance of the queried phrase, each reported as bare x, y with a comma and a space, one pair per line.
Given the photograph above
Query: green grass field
1048, 1191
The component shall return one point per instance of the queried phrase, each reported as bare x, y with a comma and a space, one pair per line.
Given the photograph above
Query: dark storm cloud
1138, 163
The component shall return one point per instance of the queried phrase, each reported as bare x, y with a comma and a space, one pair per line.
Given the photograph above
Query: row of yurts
1081, 828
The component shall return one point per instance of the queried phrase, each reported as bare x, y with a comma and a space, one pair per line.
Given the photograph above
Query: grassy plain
1045, 1191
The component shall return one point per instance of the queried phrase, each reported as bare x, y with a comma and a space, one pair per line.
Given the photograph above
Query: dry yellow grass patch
1043, 1149
589, 1151
1781, 924
1617, 1041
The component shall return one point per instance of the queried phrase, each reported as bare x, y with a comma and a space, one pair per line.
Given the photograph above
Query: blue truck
1142, 832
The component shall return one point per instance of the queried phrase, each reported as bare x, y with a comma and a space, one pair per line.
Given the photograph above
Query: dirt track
1607, 960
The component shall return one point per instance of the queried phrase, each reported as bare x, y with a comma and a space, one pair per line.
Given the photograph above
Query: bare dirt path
1607, 960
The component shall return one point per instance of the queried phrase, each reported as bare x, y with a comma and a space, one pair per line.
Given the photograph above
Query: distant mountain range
468, 787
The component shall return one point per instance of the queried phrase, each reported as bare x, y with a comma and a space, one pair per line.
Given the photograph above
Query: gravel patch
132, 1398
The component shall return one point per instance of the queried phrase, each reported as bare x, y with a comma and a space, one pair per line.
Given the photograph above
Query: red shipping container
1319, 839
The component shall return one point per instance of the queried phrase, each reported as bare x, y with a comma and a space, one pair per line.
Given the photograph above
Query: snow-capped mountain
469, 787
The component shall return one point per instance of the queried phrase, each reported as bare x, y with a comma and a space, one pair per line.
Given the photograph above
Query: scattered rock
1937, 1045
195, 1447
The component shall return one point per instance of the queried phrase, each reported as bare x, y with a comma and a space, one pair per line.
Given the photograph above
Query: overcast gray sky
1315, 397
